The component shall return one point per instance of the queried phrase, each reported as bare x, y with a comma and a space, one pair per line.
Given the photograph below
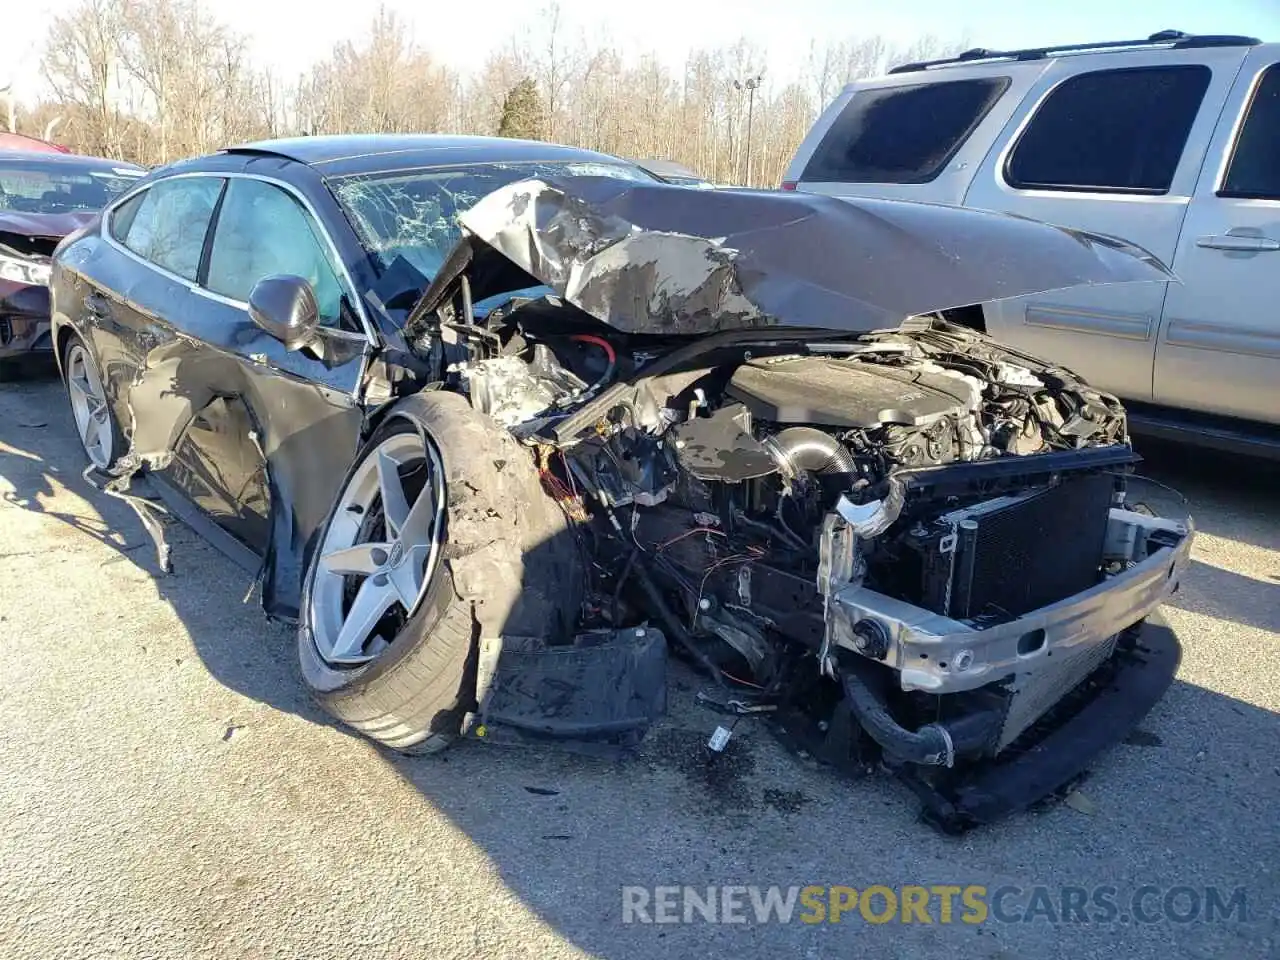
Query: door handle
1231, 241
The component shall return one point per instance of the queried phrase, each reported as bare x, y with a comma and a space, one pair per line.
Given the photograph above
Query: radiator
1012, 555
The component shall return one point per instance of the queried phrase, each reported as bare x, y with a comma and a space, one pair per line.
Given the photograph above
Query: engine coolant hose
934, 744
931, 745
809, 449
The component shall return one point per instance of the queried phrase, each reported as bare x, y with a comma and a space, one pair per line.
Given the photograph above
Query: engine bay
842, 531
717, 473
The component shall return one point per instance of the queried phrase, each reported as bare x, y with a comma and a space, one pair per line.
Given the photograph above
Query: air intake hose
804, 448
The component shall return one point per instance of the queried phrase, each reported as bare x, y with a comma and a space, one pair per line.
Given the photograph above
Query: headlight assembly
24, 271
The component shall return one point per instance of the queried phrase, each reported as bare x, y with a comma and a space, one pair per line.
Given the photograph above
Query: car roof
42, 158
352, 153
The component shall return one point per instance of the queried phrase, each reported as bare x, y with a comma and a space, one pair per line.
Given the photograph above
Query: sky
289, 35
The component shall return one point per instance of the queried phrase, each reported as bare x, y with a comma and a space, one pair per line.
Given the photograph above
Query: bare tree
384, 82
11, 105
81, 58
154, 80
552, 64
484, 94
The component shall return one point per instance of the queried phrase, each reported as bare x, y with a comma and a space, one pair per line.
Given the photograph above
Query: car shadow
567, 833
40, 457
36, 367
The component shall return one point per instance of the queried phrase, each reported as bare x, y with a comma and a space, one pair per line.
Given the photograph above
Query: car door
1219, 347
256, 435
133, 277
1114, 149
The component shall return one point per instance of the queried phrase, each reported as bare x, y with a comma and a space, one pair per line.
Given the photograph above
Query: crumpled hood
661, 259
53, 226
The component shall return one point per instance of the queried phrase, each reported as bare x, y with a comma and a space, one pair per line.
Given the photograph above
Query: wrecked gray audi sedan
502, 424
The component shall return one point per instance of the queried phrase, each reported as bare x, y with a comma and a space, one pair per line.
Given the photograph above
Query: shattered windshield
32, 186
413, 214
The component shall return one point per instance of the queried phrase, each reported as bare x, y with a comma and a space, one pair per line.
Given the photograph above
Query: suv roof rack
1169, 39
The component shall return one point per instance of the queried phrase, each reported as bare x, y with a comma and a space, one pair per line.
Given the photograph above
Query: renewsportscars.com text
936, 903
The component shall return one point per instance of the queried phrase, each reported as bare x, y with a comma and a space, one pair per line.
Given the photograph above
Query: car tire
89, 402
508, 563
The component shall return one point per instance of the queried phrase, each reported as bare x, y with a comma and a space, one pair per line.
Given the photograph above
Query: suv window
167, 223
1110, 131
264, 231
1254, 171
902, 134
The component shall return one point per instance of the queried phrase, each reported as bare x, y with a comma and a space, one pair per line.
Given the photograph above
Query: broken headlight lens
24, 271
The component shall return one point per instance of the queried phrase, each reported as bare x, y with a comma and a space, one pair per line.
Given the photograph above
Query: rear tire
96, 427
507, 563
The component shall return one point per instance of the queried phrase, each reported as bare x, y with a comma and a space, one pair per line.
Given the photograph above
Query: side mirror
286, 308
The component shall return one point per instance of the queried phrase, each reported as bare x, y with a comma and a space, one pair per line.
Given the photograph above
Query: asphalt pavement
168, 790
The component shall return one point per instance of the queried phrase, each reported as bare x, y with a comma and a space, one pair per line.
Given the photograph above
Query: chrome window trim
356, 302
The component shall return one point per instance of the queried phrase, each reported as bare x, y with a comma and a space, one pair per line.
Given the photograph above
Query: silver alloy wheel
89, 406
385, 537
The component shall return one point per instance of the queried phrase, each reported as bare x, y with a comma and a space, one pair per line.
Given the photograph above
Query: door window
1254, 171
902, 134
1117, 131
264, 231
167, 223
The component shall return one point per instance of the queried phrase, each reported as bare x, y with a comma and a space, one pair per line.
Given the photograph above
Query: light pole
751, 84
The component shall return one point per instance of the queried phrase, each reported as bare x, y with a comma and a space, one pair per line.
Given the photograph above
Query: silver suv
1172, 143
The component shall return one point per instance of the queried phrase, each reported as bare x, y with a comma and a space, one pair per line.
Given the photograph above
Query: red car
44, 196
18, 141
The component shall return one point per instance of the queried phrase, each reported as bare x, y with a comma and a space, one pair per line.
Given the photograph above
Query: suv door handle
1231, 241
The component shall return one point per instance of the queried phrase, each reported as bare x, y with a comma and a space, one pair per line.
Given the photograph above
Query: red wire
600, 342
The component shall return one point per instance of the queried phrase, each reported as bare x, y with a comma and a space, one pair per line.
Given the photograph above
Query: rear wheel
95, 424
430, 543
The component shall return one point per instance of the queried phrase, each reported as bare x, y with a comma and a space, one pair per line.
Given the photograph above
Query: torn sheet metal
294, 435
658, 259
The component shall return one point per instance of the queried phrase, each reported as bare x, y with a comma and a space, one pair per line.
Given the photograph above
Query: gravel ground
169, 791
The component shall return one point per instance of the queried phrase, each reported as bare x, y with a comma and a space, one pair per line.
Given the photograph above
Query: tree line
156, 80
